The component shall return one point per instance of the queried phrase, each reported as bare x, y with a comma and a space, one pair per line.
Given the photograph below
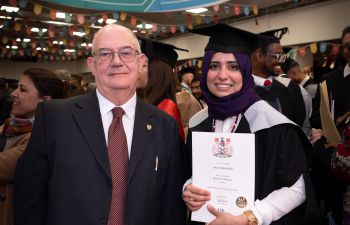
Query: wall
323, 21
312, 23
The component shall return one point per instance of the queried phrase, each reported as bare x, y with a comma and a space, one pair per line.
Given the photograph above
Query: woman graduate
283, 193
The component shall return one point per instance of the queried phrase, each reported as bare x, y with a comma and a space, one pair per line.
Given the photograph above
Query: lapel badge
149, 126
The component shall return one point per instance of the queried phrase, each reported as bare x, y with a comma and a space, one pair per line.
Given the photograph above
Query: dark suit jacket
64, 176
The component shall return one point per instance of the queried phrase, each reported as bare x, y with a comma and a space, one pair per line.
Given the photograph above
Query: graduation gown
289, 96
339, 90
280, 150
313, 89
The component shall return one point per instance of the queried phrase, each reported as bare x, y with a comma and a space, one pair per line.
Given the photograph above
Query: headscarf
233, 104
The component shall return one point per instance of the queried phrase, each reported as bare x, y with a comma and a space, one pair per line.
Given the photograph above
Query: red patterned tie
267, 83
118, 160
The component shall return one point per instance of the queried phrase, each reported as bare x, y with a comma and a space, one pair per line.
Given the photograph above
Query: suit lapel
88, 118
143, 129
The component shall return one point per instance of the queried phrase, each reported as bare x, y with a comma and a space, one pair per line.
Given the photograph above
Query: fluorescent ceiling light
60, 15
61, 43
197, 10
38, 49
80, 34
135, 31
83, 44
14, 47
90, 44
9, 9
69, 50
18, 39
7, 46
35, 29
55, 42
1, 26
58, 23
5, 17
26, 39
108, 21
147, 26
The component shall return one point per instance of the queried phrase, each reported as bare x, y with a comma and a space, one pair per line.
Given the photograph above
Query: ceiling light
83, 44
35, 29
38, 49
90, 44
26, 39
9, 9
55, 42
60, 15
147, 26
80, 34
197, 10
1, 26
108, 21
135, 31
69, 50
143, 31
7, 46
5, 17
14, 47
58, 23
18, 39
61, 43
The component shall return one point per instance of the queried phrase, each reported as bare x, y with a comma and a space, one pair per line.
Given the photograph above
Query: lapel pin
149, 126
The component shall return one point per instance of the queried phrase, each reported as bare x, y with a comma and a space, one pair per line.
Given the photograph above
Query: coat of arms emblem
222, 147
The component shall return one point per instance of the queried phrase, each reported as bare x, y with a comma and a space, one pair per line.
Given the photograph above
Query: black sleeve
31, 178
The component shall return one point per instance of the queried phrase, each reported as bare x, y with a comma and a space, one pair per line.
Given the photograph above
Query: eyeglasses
126, 54
279, 57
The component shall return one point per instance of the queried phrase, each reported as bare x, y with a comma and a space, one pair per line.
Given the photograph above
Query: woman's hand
226, 218
315, 134
195, 197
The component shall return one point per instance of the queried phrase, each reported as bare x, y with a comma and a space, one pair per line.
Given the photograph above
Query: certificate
224, 164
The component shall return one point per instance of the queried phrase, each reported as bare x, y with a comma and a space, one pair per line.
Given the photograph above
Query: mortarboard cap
224, 38
159, 51
270, 36
275, 33
186, 70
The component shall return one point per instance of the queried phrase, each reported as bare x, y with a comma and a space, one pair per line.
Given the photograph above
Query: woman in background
35, 85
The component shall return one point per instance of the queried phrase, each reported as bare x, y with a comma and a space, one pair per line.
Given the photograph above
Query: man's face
196, 89
143, 76
271, 60
187, 78
296, 74
346, 44
116, 62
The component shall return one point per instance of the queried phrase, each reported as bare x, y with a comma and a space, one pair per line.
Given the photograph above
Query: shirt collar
106, 106
259, 81
305, 79
346, 70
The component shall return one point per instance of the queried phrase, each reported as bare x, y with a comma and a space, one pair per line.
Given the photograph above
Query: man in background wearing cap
186, 77
293, 71
285, 96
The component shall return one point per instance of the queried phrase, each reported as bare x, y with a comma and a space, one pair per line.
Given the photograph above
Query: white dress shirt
129, 107
347, 70
306, 78
259, 81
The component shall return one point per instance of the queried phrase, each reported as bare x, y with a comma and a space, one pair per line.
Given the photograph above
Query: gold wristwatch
252, 220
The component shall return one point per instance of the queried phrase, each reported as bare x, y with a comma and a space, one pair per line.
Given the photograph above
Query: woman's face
25, 98
224, 76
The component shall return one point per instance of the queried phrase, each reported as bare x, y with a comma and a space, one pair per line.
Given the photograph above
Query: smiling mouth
223, 86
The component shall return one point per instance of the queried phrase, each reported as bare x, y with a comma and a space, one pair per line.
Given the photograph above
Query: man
81, 167
285, 96
196, 91
294, 72
5, 101
186, 77
338, 83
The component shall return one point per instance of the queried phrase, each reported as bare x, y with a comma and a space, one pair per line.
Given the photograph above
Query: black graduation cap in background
224, 38
159, 51
186, 70
271, 36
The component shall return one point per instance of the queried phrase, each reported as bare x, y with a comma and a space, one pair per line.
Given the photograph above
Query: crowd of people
119, 151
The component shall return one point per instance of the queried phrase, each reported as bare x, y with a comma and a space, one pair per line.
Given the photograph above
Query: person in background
104, 157
160, 84
338, 83
185, 77
283, 192
5, 101
35, 85
285, 96
294, 72
196, 91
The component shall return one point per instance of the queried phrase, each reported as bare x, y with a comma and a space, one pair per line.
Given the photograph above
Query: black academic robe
339, 90
280, 160
313, 89
290, 99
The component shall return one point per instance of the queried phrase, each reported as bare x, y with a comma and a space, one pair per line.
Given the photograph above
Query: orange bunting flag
122, 16
133, 21
313, 48
53, 14
18, 26
37, 9
255, 9
199, 19
190, 26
